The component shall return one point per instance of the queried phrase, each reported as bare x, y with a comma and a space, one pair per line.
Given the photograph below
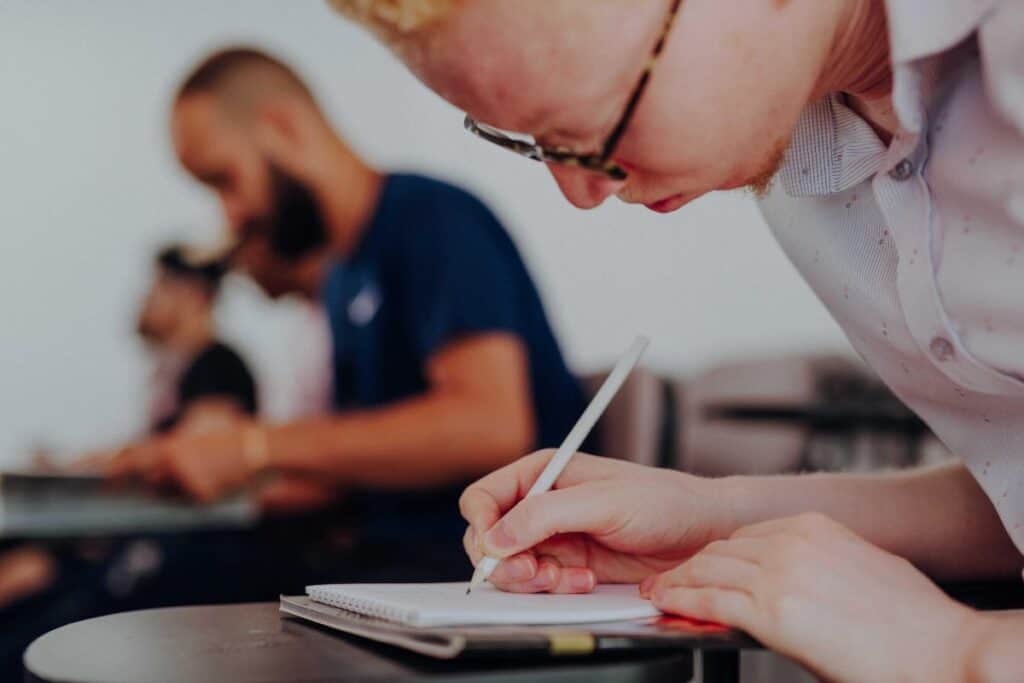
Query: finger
807, 525
575, 580
545, 580
471, 543
579, 509
646, 585
754, 549
710, 571
484, 501
156, 473
519, 569
126, 463
472, 546
722, 606
192, 484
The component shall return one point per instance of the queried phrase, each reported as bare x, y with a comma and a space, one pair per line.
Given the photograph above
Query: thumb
579, 509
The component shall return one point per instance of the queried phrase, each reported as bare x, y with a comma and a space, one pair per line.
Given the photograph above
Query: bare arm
938, 518
475, 416
210, 413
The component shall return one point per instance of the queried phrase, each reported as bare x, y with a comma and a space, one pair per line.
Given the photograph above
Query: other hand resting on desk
803, 585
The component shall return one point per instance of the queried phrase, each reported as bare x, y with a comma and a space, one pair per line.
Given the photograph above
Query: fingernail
582, 581
499, 538
519, 569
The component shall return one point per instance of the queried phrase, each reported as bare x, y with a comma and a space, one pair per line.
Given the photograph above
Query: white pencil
574, 440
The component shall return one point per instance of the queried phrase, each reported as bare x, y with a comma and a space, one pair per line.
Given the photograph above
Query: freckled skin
719, 109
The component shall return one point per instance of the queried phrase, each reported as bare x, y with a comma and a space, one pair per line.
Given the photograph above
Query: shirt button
942, 349
902, 171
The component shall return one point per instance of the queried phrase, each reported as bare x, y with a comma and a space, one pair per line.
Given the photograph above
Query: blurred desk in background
44, 506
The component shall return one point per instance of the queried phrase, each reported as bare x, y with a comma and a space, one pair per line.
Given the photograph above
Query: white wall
89, 186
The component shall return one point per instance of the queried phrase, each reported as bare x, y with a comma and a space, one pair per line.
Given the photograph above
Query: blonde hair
393, 20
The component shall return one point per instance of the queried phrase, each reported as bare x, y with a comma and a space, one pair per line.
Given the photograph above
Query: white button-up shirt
917, 248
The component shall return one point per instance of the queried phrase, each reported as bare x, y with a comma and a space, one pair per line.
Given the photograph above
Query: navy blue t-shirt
435, 265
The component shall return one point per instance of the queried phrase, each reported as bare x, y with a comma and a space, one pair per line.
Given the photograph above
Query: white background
89, 188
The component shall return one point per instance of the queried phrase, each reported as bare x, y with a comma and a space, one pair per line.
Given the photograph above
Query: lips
667, 205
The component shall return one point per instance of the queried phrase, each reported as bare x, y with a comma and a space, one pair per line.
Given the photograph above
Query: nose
584, 189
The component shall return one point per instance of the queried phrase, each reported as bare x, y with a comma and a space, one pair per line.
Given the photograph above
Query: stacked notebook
440, 620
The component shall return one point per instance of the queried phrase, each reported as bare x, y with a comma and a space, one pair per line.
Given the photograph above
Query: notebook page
446, 604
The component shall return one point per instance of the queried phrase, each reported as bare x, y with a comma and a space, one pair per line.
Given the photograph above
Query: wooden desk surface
253, 644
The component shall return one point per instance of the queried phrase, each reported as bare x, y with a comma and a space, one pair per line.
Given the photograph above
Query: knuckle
659, 586
716, 546
525, 517
690, 571
676, 576
812, 523
542, 455
708, 602
466, 501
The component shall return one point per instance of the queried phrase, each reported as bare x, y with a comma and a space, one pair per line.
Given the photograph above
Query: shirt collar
833, 148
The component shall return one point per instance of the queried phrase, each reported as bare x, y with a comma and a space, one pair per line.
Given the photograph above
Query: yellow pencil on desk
574, 440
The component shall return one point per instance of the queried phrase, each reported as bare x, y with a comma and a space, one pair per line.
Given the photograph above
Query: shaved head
243, 78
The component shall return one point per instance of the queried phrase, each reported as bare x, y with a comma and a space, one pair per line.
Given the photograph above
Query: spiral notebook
446, 604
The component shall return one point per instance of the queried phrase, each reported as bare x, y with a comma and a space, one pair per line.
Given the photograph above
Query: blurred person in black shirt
199, 384
199, 381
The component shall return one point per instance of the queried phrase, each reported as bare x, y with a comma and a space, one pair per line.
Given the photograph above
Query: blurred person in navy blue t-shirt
444, 364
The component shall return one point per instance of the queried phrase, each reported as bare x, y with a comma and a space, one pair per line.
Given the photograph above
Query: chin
673, 202
669, 205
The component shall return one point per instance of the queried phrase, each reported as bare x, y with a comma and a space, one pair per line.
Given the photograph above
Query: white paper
446, 604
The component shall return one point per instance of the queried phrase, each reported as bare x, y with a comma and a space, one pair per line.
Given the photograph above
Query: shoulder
436, 198
437, 216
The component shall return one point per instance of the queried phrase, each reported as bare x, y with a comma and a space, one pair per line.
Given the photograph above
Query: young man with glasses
894, 131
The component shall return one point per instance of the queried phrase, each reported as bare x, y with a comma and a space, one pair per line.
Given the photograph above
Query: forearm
427, 441
938, 518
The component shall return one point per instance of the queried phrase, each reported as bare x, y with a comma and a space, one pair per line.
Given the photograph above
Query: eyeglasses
600, 162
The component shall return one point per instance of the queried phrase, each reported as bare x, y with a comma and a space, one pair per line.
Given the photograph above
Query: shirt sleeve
459, 274
219, 373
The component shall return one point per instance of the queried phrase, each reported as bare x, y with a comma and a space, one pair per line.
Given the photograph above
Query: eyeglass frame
600, 162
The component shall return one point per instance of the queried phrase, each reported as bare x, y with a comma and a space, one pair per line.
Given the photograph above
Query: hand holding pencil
607, 521
570, 521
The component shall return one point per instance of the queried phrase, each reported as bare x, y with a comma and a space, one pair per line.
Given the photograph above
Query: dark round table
253, 643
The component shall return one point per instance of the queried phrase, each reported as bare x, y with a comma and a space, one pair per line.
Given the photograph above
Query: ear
282, 131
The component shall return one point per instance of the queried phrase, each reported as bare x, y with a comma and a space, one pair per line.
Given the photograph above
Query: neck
860, 66
348, 196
